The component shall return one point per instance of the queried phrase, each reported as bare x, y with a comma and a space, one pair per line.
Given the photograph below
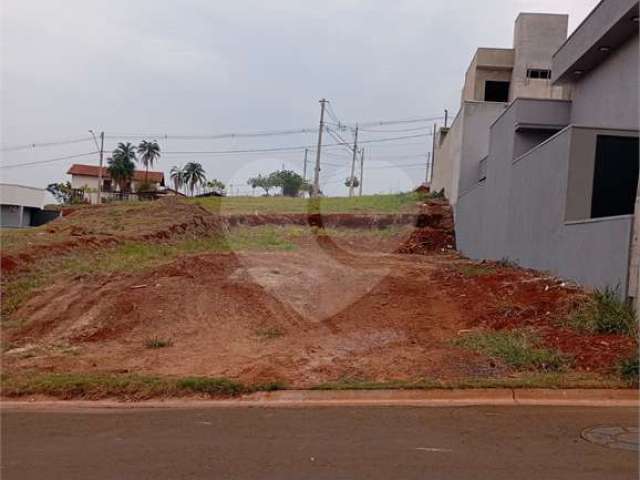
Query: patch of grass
156, 342
267, 237
18, 290
522, 380
269, 333
401, 202
629, 370
605, 312
211, 386
517, 348
475, 270
130, 386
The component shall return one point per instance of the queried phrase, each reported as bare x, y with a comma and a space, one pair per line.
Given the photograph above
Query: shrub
605, 312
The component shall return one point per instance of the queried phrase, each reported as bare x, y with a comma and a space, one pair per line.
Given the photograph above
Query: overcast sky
196, 67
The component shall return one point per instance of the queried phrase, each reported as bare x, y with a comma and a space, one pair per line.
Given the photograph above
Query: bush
605, 312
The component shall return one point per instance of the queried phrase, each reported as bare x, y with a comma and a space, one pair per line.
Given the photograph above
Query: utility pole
361, 171
316, 175
427, 172
433, 150
304, 172
101, 151
446, 117
353, 161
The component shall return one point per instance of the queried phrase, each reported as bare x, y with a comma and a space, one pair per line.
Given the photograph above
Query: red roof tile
92, 171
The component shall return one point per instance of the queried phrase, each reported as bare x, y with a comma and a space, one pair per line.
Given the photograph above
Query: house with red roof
86, 178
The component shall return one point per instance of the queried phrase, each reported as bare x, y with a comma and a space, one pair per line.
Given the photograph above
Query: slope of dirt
252, 317
434, 230
106, 225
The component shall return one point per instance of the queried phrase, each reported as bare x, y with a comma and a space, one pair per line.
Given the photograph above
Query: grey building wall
469, 219
14, 216
522, 214
10, 216
608, 95
477, 117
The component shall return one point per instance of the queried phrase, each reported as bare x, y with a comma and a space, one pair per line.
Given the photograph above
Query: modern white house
86, 178
21, 206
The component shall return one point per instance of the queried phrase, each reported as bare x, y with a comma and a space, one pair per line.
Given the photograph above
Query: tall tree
149, 152
177, 177
125, 150
121, 169
194, 175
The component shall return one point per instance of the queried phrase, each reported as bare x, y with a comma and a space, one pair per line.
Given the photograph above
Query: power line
267, 133
44, 144
292, 148
398, 166
375, 130
50, 160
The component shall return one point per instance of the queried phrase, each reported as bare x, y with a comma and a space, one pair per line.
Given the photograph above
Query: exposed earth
340, 305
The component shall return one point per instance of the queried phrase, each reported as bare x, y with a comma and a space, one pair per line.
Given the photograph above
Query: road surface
313, 443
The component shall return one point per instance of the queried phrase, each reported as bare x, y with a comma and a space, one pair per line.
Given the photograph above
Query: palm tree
149, 152
121, 169
178, 177
125, 150
194, 175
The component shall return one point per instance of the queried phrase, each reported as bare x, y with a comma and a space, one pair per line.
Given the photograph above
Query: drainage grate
612, 436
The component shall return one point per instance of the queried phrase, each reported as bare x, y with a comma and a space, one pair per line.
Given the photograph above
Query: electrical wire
44, 144
50, 160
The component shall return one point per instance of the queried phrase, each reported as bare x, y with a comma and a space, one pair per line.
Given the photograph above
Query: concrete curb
362, 398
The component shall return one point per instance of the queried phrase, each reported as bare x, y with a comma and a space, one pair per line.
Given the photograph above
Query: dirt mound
106, 225
257, 317
434, 230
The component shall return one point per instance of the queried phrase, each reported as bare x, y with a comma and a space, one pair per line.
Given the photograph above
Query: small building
22, 206
556, 189
85, 178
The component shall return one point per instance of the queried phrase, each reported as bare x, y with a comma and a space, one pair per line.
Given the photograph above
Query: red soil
514, 298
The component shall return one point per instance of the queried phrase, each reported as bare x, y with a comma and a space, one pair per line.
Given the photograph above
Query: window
106, 186
538, 73
615, 176
496, 91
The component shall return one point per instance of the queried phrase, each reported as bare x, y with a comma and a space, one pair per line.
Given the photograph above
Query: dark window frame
539, 73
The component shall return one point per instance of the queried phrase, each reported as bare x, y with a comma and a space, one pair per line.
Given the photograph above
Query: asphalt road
314, 443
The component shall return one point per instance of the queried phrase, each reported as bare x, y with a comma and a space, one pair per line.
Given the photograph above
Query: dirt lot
339, 306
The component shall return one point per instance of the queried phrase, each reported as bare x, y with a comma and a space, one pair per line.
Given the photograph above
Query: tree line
289, 182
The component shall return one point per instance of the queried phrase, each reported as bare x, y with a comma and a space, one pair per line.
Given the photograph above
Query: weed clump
156, 342
605, 312
517, 348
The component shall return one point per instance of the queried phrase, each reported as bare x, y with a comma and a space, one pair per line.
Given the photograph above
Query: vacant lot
167, 298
